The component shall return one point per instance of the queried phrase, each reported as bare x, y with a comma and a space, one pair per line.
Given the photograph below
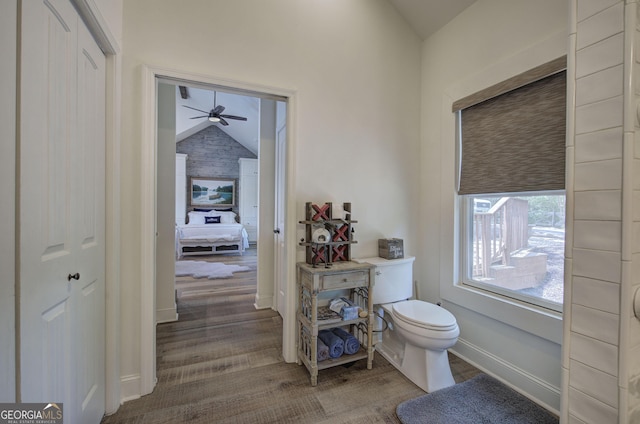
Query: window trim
540, 322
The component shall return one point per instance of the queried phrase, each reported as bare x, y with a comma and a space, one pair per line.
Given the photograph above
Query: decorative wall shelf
337, 224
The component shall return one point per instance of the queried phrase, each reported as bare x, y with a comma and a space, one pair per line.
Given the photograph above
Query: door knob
75, 276
276, 231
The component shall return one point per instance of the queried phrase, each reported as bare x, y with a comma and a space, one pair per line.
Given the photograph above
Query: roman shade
513, 134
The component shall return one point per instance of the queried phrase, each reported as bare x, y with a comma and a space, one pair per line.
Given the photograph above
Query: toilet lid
425, 315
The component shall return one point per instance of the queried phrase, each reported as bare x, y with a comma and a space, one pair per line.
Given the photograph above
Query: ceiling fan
215, 114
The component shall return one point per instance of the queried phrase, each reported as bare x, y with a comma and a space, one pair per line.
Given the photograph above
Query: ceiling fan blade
217, 110
239, 118
223, 122
203, 116
203, 111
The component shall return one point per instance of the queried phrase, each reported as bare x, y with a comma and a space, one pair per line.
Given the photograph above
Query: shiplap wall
213, 153
602, 337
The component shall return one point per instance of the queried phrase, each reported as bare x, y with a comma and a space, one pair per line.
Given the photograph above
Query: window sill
538, 321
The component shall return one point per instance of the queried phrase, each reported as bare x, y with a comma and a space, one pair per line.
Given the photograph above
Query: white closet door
61, 219
89, 320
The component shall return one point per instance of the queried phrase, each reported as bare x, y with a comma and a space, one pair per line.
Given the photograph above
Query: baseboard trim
263, 302
166, 315
541, 392
129, 387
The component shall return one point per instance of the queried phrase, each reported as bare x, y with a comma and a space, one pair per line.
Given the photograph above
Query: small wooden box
390, 248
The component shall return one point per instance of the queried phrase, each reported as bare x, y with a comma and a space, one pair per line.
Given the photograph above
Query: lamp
213, 118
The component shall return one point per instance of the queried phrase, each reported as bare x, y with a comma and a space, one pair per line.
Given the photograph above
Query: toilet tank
394, 279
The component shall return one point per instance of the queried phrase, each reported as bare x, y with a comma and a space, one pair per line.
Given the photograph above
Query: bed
209, 233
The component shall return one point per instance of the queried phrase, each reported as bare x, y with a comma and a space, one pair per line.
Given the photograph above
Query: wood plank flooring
221, 362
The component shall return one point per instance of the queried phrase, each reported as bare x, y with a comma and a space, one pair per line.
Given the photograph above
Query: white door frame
148, 209
280, 218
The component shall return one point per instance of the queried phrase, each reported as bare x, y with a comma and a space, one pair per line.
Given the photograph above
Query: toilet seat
417, 312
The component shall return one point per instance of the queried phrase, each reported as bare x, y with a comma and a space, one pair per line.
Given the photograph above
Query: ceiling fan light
214, 119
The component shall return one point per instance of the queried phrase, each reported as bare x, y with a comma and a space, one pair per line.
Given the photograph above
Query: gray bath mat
479, 400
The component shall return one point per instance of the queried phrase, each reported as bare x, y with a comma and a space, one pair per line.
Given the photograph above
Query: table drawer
344, 280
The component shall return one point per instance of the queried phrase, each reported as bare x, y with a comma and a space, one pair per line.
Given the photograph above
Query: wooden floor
221, 362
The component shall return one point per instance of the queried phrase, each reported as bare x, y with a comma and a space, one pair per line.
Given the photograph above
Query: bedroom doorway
246, 157
271, 114
213, 169
151, 76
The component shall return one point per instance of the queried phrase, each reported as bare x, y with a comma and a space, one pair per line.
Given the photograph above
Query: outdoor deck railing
501, 230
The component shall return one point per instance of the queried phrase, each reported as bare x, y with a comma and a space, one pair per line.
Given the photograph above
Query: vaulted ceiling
428, 16
244, 132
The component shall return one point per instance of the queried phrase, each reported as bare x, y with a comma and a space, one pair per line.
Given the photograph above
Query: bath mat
210, 270
481, 399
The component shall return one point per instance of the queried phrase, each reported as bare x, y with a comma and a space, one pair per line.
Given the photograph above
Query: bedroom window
511, 172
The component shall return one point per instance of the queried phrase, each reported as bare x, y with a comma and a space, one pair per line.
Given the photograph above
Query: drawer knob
344, 280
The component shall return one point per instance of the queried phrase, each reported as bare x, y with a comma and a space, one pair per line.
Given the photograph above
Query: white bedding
214, 233
211, 236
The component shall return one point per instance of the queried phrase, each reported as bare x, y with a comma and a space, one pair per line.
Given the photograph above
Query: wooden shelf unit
316, 284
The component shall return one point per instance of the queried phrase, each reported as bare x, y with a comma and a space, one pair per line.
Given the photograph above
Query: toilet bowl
415, 334
426, 325
425, 359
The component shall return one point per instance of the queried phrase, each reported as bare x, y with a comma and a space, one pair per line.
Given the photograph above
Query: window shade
515, 142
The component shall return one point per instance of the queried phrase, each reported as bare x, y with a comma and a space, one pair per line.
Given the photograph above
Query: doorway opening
268, 239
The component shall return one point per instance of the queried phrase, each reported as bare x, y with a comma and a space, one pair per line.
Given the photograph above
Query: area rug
210, 270
479, 400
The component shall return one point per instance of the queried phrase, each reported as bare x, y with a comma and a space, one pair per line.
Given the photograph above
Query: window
511, 186
515, 247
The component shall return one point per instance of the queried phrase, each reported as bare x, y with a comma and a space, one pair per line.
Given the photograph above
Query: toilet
412, 335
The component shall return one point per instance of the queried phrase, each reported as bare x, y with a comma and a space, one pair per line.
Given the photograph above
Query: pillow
202, 210
196, 218
211, 219
225, 217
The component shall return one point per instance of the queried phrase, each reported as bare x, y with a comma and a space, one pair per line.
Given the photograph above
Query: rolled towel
323, 351
351, 343
333, 342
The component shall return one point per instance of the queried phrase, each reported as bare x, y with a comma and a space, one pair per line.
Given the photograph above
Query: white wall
8, 28
489, 42
355, 68
110, 11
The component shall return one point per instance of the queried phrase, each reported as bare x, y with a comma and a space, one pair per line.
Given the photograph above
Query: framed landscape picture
213, 191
